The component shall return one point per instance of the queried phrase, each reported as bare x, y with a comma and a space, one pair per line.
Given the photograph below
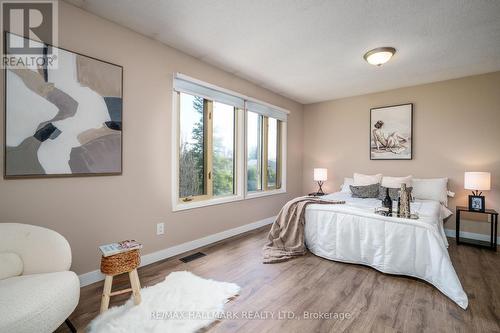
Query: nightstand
493, 218
315, 194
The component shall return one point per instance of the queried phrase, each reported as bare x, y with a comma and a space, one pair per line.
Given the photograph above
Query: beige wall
456, 128
97, 210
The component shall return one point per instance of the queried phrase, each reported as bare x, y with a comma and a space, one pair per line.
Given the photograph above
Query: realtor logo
30, 31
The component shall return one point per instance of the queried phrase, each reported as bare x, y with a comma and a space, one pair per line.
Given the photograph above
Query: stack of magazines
120, 247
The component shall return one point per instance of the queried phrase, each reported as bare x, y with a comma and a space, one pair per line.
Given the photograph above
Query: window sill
260, 194
180, 206
203, 203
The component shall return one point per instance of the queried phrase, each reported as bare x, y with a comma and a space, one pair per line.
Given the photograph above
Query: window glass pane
223, 149
254, 151
272, 152
191, 154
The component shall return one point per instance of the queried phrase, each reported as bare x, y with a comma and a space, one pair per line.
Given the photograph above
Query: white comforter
354, 233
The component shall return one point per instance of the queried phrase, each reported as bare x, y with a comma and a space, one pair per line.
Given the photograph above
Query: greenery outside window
206, 148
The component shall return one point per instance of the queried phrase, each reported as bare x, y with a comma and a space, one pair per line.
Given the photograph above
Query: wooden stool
126, 262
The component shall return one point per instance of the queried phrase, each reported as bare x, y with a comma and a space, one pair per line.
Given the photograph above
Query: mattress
353, 233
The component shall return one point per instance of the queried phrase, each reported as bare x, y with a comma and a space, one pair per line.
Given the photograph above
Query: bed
353, 233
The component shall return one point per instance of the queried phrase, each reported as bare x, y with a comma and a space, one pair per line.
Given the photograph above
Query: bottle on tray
387, 202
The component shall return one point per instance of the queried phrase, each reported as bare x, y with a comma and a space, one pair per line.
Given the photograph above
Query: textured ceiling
311, 50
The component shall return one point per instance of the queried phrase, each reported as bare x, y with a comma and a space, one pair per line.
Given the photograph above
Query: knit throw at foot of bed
182, 303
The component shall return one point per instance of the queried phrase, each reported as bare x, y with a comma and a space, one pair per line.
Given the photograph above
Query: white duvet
354, 233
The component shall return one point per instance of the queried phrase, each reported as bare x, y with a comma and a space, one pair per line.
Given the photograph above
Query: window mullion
260, 150
278, 155
265, 138
236, 147
208, 146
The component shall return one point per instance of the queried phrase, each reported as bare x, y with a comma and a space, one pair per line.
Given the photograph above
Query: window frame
280, 186
265, 158
208, 150
237, 113
260, 152
240, 154
207, 156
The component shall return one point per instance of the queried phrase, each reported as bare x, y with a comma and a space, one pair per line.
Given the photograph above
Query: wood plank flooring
375, 302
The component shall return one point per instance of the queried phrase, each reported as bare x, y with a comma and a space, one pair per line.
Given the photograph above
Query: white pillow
11, 265
363, 180
346, 186
395, 182
431, 189
445, 212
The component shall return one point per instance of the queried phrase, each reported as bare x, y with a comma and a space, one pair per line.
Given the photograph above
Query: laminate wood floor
373, 301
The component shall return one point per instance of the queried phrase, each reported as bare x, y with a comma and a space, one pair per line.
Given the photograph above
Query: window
223, 149
263, 148
254, 152
273, 162
192, 162
214, 160
206, 148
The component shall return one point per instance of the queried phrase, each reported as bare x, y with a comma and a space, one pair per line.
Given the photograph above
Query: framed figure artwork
391, 132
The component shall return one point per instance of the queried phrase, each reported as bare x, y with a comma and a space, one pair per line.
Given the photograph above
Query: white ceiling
312, 50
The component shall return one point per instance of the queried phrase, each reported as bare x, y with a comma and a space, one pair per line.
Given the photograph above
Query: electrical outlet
160, 228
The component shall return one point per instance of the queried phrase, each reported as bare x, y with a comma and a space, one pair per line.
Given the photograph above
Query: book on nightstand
120, 247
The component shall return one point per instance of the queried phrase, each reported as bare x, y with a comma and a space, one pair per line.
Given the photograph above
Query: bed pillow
363, 180
395, 182
445, 212
431, 189
346, 186
11, 265
366, 191
393, 192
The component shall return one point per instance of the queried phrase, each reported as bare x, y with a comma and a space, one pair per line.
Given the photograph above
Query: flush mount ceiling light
379, 56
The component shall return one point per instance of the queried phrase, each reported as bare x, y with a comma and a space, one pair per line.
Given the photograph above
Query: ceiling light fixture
379, 56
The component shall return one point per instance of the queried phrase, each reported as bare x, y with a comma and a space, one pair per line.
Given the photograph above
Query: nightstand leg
492, 220
457, 227
496, 231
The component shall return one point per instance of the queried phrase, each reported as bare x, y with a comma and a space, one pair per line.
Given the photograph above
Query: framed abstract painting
391, 132
64, 121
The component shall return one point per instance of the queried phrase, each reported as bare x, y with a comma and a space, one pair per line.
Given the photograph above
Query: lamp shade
480, 181
320, 174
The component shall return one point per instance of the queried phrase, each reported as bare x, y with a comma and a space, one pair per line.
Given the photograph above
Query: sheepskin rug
182, 303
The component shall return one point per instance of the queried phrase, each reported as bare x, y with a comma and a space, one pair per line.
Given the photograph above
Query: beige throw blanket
286, 238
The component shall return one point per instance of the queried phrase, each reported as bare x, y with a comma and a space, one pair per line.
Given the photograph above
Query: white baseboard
471, 235
95, 276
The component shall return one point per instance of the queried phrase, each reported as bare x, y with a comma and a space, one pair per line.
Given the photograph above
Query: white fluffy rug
182, 303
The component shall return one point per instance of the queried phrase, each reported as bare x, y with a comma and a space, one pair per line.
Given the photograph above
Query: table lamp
477, 182
320, 176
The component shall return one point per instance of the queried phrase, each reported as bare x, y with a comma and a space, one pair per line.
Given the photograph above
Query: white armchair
43, 292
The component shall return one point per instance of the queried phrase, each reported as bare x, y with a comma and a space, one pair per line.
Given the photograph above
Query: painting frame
409, 127
7, 176
476, 203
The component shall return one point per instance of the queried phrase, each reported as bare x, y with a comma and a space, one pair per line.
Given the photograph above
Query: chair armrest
42, 250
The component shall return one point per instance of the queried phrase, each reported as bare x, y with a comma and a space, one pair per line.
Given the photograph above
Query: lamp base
320, 189
476, 203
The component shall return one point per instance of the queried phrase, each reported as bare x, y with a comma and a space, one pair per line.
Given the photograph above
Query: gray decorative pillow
367, 191
393, 192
